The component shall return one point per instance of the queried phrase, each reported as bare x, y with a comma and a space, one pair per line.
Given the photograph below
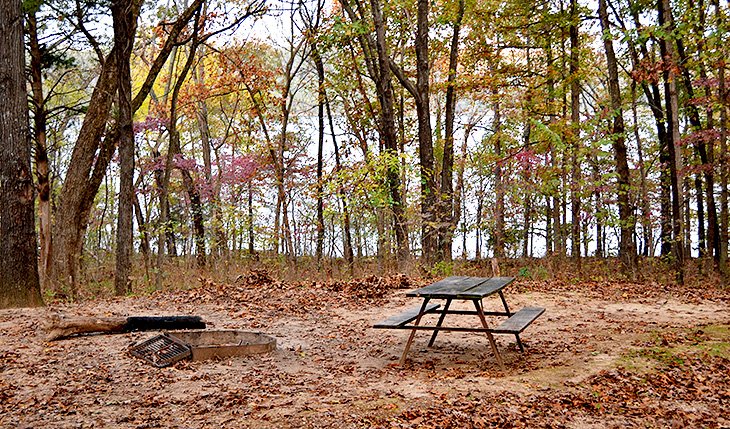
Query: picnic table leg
441, 320
504, 303
509, 313
519, 343
413, 331
492, 343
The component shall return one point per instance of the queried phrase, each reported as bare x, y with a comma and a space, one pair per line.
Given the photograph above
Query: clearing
602, 355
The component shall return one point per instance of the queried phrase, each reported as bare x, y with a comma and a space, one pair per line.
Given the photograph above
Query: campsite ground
603, 355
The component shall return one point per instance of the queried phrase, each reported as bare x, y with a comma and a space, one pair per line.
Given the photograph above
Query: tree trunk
675, 156
90, 158
446, 223
125, 26
19, 281
627, 248
40, 114
723, 98
346, 234
574, 131
499, 191
388, 135
172, 149
319, 65
219, 242
647, 232
653, 96
429, 200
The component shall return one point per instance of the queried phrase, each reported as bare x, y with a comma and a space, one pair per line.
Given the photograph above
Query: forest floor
603, 355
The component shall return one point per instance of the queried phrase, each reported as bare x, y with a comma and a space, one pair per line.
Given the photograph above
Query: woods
361, 136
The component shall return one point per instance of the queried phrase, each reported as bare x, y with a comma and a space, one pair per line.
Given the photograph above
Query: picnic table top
459, 287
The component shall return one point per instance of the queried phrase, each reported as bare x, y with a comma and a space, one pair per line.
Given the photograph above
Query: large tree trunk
627, 248
78, 191
19, 281
125, 26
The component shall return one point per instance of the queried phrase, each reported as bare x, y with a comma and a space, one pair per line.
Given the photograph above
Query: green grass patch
670, 347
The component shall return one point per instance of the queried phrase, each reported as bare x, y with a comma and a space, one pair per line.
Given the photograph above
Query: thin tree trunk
41, 153
388, 135
646, 227
319, 65
499, 191
429, 234
675, 157
346, 234
627, 247
172, 149
144, 245
125, 26
723, 96
446, 223
219, 242
574, 132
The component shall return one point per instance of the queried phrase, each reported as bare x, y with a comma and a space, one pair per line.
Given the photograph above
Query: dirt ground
602, 355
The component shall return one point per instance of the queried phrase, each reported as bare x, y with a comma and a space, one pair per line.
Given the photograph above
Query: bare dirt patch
601, 356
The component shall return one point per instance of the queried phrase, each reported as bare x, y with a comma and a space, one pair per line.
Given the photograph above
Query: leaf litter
603, 355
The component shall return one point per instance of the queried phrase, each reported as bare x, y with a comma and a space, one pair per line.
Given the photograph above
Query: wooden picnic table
473, 289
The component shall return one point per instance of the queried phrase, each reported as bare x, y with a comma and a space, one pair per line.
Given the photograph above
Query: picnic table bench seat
399, 320
519, 321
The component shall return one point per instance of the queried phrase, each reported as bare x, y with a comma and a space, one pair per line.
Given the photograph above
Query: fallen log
61, 327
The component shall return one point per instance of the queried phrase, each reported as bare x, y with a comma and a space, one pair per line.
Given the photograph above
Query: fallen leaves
333, 370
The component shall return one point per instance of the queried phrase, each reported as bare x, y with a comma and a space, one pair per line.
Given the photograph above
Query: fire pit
225, 343
170, 347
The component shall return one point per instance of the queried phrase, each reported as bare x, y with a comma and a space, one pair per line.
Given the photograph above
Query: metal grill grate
161, 351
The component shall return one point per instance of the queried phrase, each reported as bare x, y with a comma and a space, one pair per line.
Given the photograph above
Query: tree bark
89, 161
499, 191
627, 247
429, 200
319, 65
40, 115
173, 148
446, 217
19, 280
388, 134
675, 155
724, 101
125, 26
574, 131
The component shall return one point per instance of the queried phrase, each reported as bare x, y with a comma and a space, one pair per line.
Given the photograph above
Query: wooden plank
486, 288
448, 287
519, 321
401, 319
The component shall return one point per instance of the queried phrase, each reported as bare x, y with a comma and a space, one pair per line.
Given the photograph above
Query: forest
397, 135
297, 170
